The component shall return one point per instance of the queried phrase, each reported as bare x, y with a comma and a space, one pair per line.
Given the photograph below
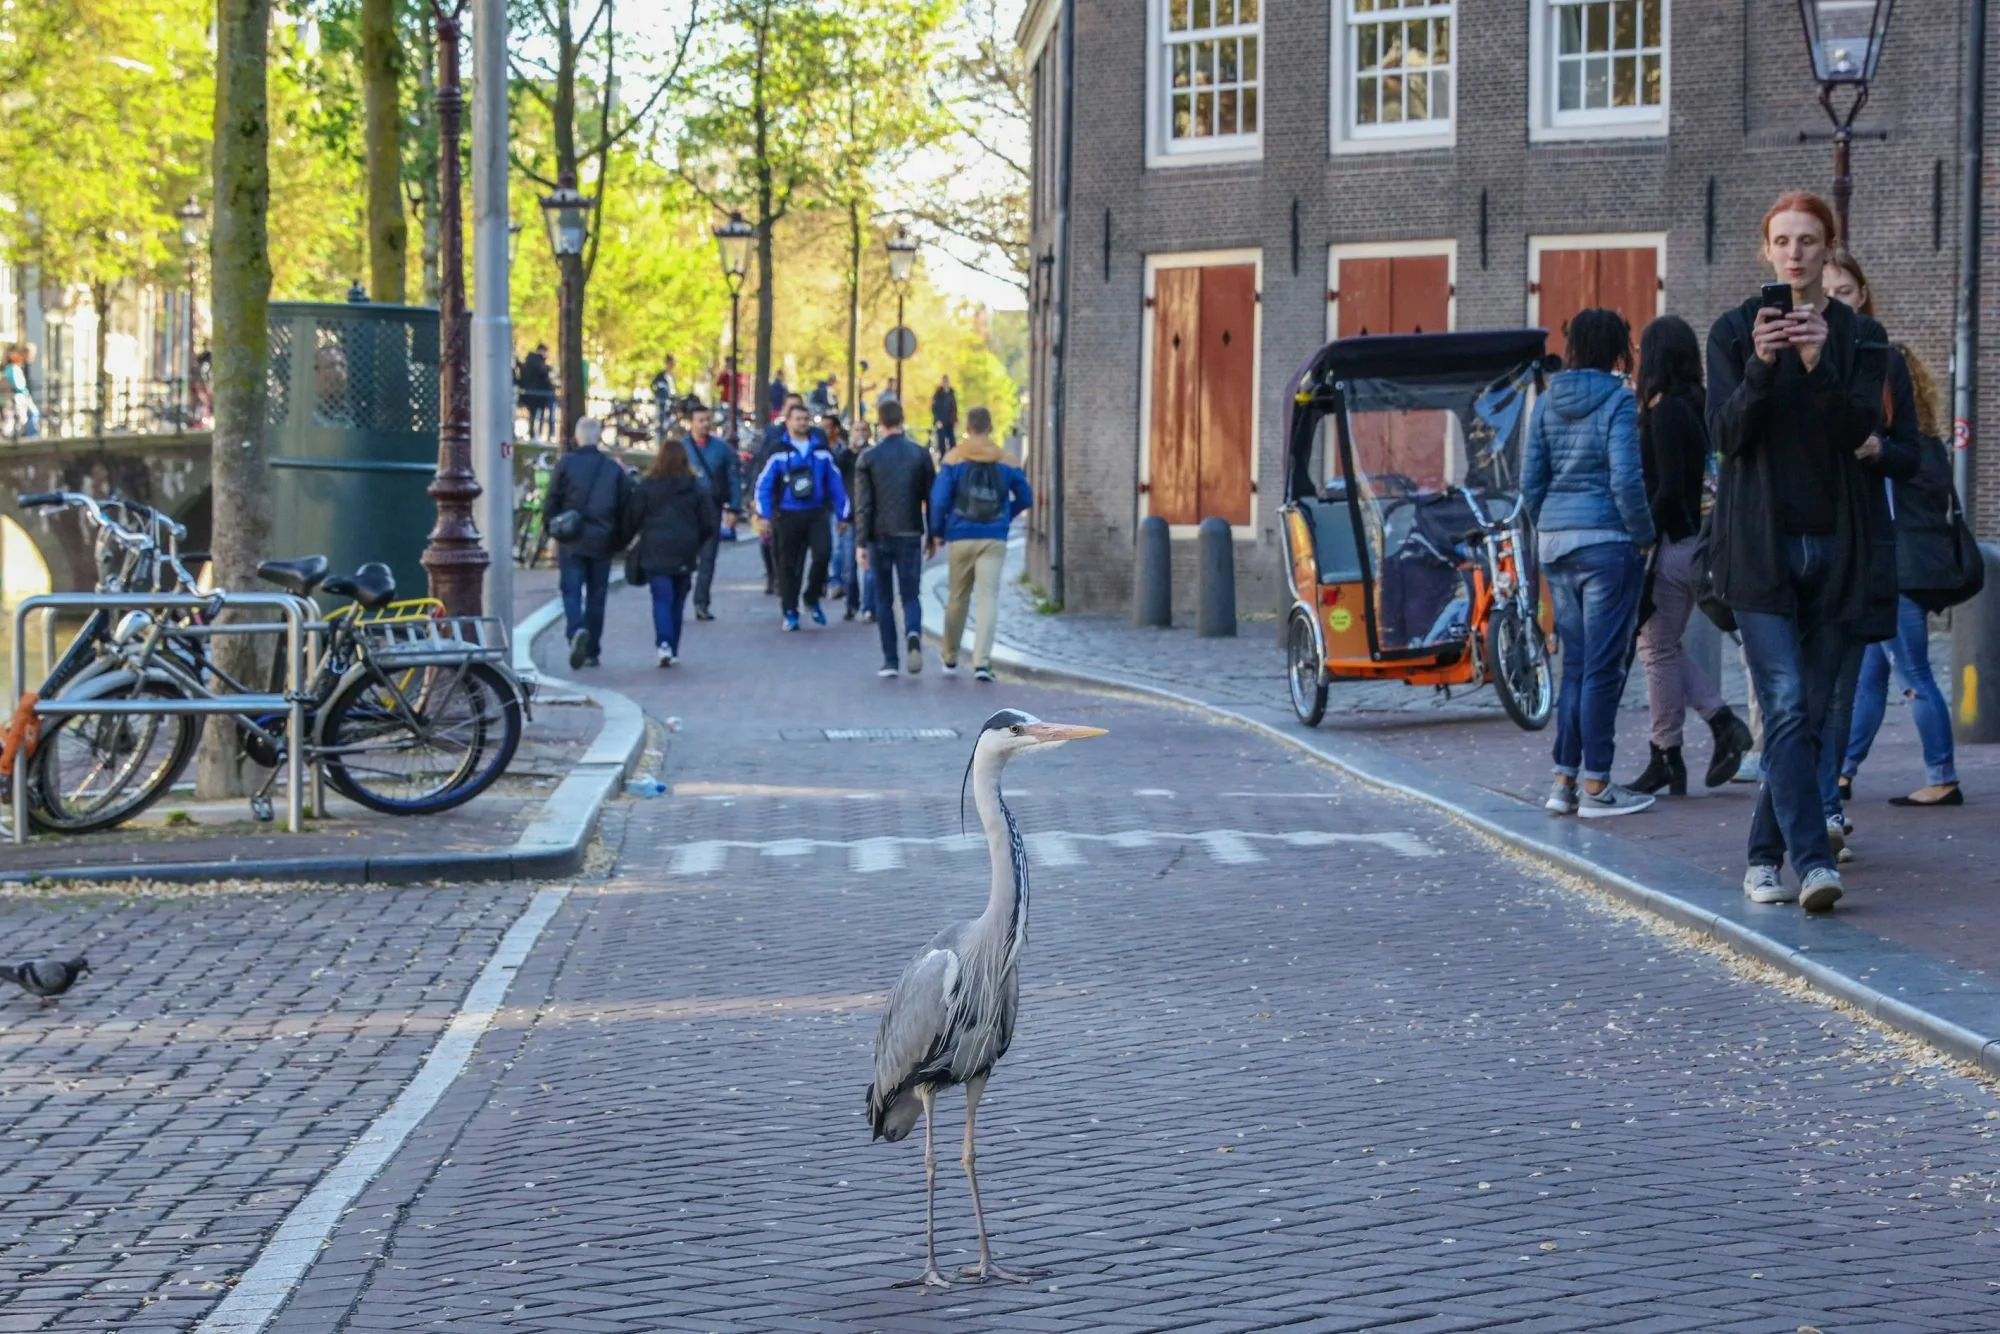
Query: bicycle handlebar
40, 500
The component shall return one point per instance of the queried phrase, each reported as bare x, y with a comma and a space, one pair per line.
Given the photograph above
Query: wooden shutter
1628, 281
1173, 437
1420, 294
1568, 283
1367, 298
1228, 390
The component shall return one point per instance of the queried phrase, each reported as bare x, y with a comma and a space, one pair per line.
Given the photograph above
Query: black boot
1732, 743
1665, 770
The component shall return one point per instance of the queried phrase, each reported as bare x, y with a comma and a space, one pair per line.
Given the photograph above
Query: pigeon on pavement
47, 978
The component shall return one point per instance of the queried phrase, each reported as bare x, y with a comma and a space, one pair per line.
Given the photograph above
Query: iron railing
76, 409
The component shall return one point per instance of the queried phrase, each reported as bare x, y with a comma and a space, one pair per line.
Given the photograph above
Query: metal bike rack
297, 614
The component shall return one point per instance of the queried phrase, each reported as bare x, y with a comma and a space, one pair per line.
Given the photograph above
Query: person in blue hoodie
1584, 485
974, 501
799, 495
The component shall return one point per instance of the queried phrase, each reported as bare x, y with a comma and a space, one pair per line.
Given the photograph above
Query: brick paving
1264, 1078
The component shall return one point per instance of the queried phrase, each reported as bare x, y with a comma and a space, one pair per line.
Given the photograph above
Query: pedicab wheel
1303, 671
1518, 659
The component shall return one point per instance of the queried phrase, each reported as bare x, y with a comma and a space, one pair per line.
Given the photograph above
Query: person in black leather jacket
597, 487
892, 488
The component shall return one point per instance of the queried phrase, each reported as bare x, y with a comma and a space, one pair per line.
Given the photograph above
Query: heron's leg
985, 1268
930, 1277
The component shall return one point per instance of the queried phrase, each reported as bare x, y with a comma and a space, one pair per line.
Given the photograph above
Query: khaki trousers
975, 569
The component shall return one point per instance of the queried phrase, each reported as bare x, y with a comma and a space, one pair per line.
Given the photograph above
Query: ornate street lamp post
191, 215
902, 261
567, 213
732, 240
454, 556
1844, 38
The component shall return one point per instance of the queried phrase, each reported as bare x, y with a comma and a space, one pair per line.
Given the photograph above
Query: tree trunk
381, 71
100, 301
570, 298
428, 203
240, 268
854, 309
767, 296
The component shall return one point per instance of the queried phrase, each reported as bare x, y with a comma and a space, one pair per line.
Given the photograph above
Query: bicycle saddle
372, 585
299, 576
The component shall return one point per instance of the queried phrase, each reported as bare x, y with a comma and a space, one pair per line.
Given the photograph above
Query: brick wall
1741, 98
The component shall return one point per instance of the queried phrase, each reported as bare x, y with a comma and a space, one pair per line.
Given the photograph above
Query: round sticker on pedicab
1340, 618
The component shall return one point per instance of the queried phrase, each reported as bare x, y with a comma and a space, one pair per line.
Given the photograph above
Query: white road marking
1153, 792
1058, 847
297, 1242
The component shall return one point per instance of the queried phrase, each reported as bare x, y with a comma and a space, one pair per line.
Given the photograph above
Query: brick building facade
1252, 177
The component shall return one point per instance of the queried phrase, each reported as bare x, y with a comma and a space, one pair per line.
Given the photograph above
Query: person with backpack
714, 464
799, 496
893, 479
975, 500
674, 519
585, 510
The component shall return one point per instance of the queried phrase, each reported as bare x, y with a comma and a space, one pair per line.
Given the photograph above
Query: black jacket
1674, 452
944, 407
1838, 404
596, 486
535, 376
892, 483
673, 517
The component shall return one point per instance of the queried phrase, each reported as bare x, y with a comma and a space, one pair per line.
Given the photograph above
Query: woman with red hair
1795, 407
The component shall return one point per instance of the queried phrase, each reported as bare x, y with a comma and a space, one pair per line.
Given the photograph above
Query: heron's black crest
1004, 719
999, 722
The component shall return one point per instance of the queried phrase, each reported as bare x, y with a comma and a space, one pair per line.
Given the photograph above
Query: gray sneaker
913, 653
1613, 800
1762, 884
1820, 890
1562, 799
1837, 830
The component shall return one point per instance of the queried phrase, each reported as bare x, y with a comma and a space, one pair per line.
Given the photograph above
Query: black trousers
795, 535
704, 570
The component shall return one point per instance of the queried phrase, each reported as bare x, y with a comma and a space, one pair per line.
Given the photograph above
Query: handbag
635, 573
568, 526
1970, 560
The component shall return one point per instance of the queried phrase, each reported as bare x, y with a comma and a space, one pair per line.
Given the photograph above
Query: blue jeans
1839, 721
585, 582
1908, 656
1596, 590
670, 595
897, 561
843, 564
1794, 662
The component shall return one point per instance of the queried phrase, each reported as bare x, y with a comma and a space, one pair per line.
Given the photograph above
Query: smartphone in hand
1778, 296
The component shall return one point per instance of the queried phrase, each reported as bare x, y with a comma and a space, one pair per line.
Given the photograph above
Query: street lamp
567, 212
191, 215
1844, 39
732, 242
902, 261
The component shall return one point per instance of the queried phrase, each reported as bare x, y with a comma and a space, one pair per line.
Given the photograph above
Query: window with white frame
1603, 63
1212, 64
1396, 67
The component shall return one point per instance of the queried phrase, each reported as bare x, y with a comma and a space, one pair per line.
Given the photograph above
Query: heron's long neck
1007, 903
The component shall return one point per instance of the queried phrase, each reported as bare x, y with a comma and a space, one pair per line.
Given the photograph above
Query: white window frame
1547, 125
1162, 150
1201, 259
1391, 250
1599, 241
1346, 137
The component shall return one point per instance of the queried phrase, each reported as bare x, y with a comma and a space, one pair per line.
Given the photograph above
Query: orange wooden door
1173, 473
1628, 281
1365, 300
1228, 390
1568, 283
1420, 294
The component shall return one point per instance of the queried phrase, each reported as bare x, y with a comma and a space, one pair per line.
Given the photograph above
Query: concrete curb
552, 845
1952, 1009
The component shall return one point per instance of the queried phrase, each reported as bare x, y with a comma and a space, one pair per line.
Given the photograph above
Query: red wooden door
1365, 299
1173, 472
1420, 294
1228, 390
1568, 283
1626, 280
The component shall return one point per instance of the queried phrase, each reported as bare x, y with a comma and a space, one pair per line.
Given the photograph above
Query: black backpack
981, 494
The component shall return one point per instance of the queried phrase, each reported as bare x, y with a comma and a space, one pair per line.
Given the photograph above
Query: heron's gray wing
916, 1020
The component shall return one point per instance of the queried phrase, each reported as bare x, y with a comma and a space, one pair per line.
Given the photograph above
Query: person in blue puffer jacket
799, 496
1584, 486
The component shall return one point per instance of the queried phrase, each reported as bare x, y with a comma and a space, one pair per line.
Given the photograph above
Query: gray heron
951, 1015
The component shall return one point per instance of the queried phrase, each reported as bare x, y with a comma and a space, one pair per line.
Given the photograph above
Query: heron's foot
930, 1278
988, 1269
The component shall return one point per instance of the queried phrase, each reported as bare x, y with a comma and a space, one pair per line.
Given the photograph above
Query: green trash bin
354, 435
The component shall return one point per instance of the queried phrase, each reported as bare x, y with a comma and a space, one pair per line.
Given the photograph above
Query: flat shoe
1952, 797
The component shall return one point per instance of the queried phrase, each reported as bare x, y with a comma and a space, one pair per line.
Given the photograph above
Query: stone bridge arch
168, 472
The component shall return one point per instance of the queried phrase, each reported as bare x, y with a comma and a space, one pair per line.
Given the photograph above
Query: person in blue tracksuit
799, 496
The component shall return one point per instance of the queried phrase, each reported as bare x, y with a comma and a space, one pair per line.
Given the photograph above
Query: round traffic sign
900, 343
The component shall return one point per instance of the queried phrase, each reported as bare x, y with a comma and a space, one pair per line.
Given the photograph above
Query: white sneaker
1562, 799
1820, 890
1762, 884
666, 656
887, 669
1751, 770
948, 668
1613, 800
1838, 827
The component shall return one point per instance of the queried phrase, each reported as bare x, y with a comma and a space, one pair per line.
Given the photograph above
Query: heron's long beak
1055, 734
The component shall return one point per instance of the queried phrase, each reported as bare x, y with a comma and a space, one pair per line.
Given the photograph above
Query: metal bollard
1215, 582
1975, 657
1153, 586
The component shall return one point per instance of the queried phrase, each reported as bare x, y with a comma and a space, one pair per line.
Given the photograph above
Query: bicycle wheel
1518, 660
424, 748
92, 771
1302, 671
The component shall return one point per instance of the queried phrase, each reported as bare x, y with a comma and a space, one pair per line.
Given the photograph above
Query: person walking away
799, 494
944, 416
714, 464
1794, 401
675, 519
974, 501
845, 585
592, 489
538, 392
778, 395
1926, 563
1584, 487
20, 389
893, 482
14, 389
666, 397
1673, 445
